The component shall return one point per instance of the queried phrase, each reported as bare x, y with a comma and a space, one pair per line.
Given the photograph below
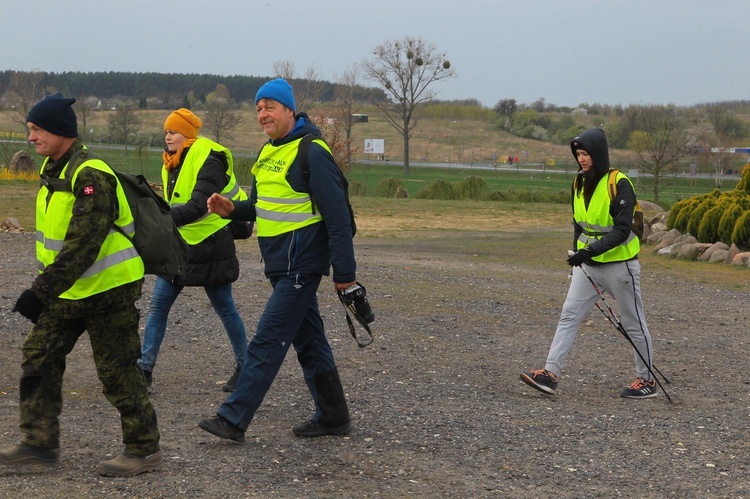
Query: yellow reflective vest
596, 221
280, 208
118, 261
208, 224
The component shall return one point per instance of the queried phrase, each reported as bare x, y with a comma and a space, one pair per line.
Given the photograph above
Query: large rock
22, 161
718, 256
10, 224
663, 239
706, 256
692, 251
741, 259
680, 242
733, 251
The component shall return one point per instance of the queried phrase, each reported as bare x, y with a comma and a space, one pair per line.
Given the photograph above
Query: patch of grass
19, 201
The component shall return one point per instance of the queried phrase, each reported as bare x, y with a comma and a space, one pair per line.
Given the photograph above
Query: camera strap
362, 340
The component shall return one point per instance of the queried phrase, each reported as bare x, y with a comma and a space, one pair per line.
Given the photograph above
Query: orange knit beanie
183, 122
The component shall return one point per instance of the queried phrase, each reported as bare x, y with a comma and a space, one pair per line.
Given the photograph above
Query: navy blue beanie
55, 114
278, 90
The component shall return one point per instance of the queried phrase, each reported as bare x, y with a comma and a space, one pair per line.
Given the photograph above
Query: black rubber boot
334, 413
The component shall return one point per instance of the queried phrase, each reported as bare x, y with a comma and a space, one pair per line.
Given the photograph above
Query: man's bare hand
341, 286
220, 205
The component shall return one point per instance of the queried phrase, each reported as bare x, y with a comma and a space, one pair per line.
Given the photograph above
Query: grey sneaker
640, 389
312, 429
129, 465
230, 385
222, 429
541, 379
28, 454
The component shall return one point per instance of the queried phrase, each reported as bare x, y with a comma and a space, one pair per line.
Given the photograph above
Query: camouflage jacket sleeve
94, 212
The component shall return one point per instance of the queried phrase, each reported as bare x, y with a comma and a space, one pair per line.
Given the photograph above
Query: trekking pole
612, 317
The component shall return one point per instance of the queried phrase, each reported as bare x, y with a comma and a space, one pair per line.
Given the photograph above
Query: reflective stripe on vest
210, 223
596, 222
280, 209
118, 261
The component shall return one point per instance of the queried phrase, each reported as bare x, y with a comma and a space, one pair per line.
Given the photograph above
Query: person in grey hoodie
604, 243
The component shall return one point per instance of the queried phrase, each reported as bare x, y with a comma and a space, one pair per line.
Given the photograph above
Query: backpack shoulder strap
612, 183
304, 163
304, 144
74, 163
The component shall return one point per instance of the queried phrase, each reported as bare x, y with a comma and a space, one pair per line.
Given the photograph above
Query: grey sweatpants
622, 280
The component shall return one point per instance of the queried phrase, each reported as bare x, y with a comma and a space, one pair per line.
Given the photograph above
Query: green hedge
716, 216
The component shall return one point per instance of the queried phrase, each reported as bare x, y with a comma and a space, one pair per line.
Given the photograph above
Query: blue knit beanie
278, 90
55, 114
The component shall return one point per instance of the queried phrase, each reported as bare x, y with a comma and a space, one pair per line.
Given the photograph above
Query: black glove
29, 305
579, 257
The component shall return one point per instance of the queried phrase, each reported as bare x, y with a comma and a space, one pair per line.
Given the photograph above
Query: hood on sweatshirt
593, 141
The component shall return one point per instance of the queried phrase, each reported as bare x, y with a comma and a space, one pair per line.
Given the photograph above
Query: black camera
356, 295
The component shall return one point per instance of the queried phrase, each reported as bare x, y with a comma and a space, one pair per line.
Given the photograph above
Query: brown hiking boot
28, 454
128, 465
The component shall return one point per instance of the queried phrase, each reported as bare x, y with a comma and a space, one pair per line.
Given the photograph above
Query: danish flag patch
88, 190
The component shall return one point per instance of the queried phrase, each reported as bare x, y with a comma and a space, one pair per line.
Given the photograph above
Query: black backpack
304, 165
157, 239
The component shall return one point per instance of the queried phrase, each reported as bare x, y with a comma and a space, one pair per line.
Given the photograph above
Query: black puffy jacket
213, 261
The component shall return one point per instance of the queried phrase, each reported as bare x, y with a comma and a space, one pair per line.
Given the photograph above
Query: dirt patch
437, 406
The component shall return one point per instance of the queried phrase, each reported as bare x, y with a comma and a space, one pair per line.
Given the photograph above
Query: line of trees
160, 90
404, 72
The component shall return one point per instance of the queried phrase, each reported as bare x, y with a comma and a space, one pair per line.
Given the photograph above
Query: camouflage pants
116, 347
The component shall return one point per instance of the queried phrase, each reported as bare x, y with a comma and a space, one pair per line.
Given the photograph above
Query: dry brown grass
432, 140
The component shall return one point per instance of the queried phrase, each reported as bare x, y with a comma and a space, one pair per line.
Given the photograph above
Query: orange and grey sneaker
640, 389
541, 379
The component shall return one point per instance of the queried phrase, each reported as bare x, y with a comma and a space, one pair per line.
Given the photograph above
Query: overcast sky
569, 52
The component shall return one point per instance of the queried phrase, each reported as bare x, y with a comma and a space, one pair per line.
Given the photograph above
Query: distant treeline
168, 87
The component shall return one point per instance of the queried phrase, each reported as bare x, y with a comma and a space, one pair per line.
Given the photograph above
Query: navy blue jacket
315, 248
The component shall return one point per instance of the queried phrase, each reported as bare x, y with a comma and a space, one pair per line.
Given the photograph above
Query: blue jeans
164, 295
291, 317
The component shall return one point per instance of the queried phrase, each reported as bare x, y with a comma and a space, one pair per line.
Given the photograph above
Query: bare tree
26, 88
84, 111
220, 118
284, 69
406, 69
663, 137
344, 94
123, 124
307, 89
7, 148
333, 133
722, 130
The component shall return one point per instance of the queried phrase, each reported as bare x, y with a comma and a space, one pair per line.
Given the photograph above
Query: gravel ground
437, 406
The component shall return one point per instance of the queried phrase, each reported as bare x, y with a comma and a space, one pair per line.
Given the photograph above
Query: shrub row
716, 216
472, 187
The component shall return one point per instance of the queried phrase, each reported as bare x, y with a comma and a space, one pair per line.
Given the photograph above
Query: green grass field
554, 180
